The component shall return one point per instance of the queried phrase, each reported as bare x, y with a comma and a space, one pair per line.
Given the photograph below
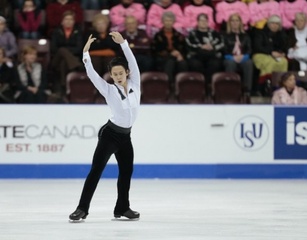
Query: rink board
170, 141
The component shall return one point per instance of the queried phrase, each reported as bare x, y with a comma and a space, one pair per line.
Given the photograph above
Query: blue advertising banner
290, 133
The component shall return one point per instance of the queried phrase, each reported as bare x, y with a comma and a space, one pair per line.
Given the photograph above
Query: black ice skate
131, 215
77, 215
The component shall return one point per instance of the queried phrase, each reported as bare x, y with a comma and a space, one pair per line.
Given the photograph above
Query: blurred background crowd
188, 51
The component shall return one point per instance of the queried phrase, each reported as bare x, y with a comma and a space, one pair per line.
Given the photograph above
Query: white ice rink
170, 210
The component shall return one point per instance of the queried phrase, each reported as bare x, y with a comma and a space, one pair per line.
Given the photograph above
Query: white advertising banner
162, 134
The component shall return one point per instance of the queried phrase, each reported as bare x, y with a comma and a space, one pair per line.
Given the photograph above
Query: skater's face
119, 74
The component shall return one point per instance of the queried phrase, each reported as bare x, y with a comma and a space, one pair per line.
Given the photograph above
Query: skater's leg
105, 148
124, 158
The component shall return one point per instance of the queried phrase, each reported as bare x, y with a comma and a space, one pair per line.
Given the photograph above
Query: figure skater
123, 97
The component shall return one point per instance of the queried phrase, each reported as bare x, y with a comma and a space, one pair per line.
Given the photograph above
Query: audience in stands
126, 8
169, 49
228, 7
297, 48
238, 50
193, 10
154, 16
55, 10
270, 49
103, 49
31, 81
205, 47
29, 19
288, 9
139, 43
7, 76
261, 10
7, 40
66, 50
289, 93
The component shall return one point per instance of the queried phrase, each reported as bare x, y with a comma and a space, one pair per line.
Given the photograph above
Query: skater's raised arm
133, 66
98, 81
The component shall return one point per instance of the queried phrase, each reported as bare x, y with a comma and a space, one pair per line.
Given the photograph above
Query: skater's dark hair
118, 61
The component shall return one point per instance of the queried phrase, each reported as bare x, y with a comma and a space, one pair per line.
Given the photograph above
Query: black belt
118, 128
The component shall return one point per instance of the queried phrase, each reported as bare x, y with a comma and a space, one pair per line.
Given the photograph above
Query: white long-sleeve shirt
124, 107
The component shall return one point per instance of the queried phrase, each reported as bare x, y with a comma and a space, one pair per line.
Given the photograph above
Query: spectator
139, 43
66, 49
261, 10
7, 76
297, 52
288, 9
103, 49
192, 11
270, 48
55, 10
154, 16
29, 18
204, 49
228, 7
7, 40
32, 79
119, 12
238, 51
169, 49
289, 93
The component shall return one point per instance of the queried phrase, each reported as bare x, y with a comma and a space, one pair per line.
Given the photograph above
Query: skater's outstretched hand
88, 43
117, 37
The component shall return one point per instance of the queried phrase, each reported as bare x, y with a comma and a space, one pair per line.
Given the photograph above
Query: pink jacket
118, 14
155, 13
262, 11
289, 9
224, 10
191, 12
282, 97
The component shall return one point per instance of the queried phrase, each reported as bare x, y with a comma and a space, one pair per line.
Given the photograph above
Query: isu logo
251, 133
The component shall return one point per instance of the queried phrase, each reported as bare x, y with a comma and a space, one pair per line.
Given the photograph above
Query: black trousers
111, 139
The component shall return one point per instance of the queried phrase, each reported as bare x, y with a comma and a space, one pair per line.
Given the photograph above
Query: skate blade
76, 221
124, 219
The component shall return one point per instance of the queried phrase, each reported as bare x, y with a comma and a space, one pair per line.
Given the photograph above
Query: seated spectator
126, 8
270, 49
228, 7
169, 49
154, 16
204, 49
32, 80
288, 9
7, 40
103, 49
6, 11
238, 50
29, 18
7, 79
55, 10
66, 50
261, 10
289, 93
297, 52
192, 11
139, 43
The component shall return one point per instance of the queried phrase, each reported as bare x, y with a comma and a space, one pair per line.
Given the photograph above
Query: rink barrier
163, 171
